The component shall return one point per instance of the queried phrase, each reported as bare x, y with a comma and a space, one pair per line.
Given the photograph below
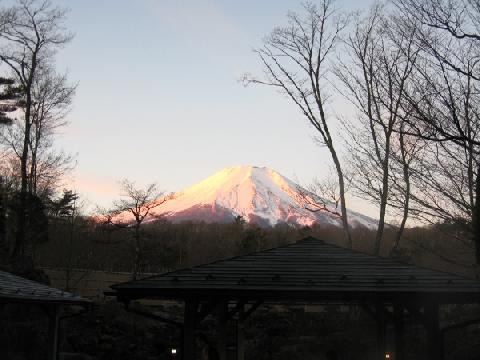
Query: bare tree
295, 59
442, 187
404, 162
52, 100
375, 79
323, 195
327, 187
443, 97
446, 25
28, 41
316, 200
135, 206
47, 166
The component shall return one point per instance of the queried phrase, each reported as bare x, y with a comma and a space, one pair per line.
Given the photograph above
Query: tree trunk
384, 192
70, 251
341, 185
405, 210
136, 264
19, 244
406, 204
476, 217
33, 173
383, 207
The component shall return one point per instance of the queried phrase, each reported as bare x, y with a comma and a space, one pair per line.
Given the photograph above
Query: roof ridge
215, 262
356, 251
306, 239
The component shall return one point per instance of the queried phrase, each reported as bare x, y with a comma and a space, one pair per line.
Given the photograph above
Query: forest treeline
84, 243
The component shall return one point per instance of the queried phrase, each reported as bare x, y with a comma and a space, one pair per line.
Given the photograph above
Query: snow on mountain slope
258, 194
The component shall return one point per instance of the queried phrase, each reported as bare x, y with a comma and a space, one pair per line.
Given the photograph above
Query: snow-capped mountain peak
258, 194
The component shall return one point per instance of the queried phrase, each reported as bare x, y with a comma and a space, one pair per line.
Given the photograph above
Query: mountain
258, 194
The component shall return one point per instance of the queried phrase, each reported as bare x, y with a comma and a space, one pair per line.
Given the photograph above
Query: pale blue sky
159, 97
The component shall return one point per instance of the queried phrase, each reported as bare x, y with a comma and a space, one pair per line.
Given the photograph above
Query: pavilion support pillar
381, 334
222, 329
434, 336
240, 341
398, 323
189, 324
53, 312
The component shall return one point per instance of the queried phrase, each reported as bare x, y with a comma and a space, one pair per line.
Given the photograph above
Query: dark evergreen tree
10, 98
64, 206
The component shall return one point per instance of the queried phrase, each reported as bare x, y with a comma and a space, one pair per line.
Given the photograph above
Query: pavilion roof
14, 288
311, 270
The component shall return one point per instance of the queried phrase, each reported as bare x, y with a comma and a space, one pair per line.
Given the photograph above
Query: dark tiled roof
17, 289
307, 268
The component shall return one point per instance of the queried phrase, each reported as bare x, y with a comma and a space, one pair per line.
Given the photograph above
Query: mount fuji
259, 195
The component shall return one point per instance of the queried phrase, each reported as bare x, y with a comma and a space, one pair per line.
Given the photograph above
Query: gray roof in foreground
309, 269
14, 288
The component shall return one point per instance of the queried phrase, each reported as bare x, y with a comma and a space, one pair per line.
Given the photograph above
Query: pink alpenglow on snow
258, 194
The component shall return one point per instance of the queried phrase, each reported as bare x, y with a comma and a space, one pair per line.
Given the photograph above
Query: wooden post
53, 322
222, 330
380, 314
398, 311
189, 323
434, 337
240, 334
